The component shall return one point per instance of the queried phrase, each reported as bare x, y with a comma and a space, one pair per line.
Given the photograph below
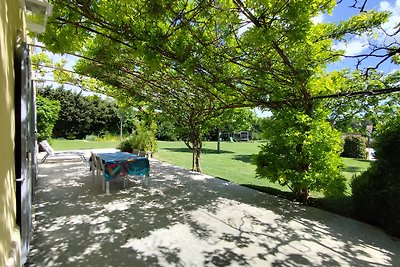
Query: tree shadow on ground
182, 218
272, 191
341, 205
244, 158
353, 169
203, 150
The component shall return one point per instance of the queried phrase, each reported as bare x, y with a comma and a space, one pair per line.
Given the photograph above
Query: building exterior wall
11, 25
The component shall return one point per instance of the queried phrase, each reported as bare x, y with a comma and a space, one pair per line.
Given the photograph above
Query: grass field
232, 164
62, 144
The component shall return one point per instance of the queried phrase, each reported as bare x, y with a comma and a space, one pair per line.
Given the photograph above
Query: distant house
244, 136
236, 137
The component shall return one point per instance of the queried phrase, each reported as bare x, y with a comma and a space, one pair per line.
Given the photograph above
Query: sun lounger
50, 152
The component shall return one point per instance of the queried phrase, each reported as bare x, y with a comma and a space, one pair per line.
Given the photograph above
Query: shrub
109, 137
47, 114
376, 192
302, 152
81, 115
91, 138
126, 146
354, 147
364, 196
143, 138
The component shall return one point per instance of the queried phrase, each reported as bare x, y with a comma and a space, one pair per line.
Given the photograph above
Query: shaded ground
183, 218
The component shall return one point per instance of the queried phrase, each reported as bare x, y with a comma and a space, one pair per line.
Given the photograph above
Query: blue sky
358, 45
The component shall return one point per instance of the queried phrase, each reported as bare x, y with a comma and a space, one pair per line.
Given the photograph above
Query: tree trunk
193, 156
196, 157
302, 195
197, 146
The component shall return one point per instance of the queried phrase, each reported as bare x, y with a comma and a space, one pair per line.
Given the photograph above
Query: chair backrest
93, 159
99, 164
46, 146
142, 154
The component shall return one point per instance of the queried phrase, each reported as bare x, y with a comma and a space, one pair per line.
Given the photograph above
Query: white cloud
318, 19
360, 44
353, 47
394, 19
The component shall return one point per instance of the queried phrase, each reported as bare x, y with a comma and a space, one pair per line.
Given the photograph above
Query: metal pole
218, 142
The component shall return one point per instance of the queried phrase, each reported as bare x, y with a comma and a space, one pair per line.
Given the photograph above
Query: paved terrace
182, 218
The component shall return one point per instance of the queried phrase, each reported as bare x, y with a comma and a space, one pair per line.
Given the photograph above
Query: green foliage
47, 114
165, 128
142, 138
81, 116
366, 197
193, 59
107, 137
127, 114
231, 121
376, 192
302, 153
91, 138
126, 145
354, 147
354, 114
103, 137
39, 62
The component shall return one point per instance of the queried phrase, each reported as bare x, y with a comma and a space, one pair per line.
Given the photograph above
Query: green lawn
234, 162
62, 144
354, 166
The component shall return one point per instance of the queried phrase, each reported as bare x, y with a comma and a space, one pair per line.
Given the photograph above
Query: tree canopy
193, 59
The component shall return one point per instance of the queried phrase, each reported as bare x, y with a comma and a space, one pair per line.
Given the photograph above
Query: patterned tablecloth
124, 163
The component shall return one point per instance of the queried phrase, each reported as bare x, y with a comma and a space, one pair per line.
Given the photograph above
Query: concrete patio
183, 218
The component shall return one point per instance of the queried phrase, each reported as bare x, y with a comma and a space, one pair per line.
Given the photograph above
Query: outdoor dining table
122, 164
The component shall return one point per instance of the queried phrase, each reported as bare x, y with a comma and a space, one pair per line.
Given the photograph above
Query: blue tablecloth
123, 163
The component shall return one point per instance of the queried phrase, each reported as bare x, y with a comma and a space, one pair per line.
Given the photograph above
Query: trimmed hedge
47, 115
376, 192
354, 147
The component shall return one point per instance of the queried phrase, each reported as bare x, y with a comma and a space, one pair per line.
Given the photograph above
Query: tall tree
80, 116
214, 55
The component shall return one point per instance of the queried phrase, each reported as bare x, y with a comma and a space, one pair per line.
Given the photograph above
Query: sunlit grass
62, 144
232, 164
